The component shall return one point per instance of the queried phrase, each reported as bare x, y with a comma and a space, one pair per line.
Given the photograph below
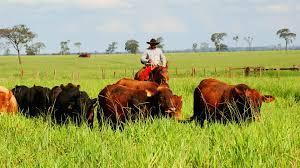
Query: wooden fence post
114, 74
54, 74
103, 74
204, 72
133, 73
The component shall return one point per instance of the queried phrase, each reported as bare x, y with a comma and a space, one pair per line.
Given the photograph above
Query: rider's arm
144, 58
163, 59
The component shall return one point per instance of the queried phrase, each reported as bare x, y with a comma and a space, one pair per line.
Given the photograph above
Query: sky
96, 23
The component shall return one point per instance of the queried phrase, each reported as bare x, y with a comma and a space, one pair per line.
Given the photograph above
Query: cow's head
252, 97
167, 103
68, 103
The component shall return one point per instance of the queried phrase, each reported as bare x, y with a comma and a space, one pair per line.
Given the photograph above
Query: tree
160, 45
2, 47
111, 47
236, 39
287, 35
35, 48
204, 46
132, 46
64, 48
18, 36
249, 41
78, 45
195, 45
217, 38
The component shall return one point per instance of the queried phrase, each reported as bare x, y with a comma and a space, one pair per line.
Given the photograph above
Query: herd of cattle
128, 99
132, 99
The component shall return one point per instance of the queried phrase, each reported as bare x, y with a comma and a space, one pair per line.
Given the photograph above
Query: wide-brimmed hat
153, 41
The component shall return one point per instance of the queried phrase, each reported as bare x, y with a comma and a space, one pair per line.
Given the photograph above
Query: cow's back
213, 91
140, 85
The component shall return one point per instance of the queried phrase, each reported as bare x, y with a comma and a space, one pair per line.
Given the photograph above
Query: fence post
54, 74
260, 72
229, 72
215, 71
204, 72
114, 74
133, 73
103, 74
125, 72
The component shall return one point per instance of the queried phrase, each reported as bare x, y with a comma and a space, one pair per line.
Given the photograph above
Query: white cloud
164, 24
94, 4
114, 26
275, 8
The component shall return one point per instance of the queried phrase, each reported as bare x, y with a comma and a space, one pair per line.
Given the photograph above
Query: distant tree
160, 45
236, 39
64, 48
204, 46
111, 47
78, 45
2, 47
249, 41
18, 36
35, 48
287, 35
132, 46
195, 45
217, 39
6, 51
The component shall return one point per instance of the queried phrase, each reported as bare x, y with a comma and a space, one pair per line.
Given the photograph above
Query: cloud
90, 4
114, 26
276, 8
164, 24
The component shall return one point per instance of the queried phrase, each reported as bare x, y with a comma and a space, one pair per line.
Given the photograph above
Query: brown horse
159, 75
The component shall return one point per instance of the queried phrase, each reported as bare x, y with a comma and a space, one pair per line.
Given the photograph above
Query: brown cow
120, 103
217, 101
8, 102
176, 101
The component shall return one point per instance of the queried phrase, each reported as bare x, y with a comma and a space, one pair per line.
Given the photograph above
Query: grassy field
272, 142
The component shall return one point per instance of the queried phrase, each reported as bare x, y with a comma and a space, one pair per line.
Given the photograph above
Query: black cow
34, 101
73, 104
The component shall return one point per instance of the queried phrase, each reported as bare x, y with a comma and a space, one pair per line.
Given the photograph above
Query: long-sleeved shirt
156, 55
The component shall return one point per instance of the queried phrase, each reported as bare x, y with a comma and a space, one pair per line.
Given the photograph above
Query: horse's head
159, 75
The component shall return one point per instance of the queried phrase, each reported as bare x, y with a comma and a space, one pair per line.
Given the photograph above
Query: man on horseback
152, 58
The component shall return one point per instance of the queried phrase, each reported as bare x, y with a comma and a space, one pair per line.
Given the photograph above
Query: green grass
272, 142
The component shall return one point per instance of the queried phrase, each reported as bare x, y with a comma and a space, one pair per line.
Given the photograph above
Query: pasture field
274, 141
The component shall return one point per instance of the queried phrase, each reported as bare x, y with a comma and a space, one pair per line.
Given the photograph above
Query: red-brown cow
120, 103
176, 101
8, 102
217, 101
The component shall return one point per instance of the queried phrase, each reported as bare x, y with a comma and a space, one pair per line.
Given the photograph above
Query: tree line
218, 40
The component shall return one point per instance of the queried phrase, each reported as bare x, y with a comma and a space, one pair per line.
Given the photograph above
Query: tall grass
271, 142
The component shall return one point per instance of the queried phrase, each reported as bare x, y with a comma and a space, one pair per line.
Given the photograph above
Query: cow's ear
78, 86
238, 91
268, 98
149, 93
62, 86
